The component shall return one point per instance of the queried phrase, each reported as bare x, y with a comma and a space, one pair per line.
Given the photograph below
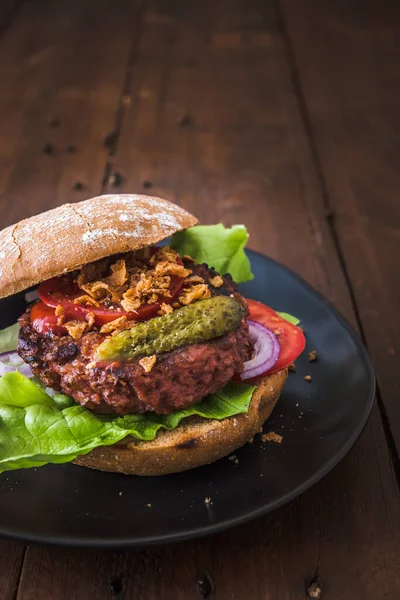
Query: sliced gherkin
198, 322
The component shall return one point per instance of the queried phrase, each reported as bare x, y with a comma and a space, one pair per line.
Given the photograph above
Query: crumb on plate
272, 437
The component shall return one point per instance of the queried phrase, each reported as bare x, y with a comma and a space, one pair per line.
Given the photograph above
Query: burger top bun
62, 239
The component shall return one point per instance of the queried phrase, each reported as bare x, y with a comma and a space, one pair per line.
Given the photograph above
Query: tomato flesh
291, 338
44, 319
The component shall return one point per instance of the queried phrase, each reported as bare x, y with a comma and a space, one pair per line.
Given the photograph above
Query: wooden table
280, 114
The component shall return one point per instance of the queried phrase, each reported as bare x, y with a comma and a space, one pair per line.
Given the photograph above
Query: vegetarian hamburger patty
177, 380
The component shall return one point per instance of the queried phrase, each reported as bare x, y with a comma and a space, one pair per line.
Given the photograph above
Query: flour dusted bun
66, 237
194, 442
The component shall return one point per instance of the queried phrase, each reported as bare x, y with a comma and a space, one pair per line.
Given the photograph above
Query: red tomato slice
62, 291
290, 337
44, 319
53, 293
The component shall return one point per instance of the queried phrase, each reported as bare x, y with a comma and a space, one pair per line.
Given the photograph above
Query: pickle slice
198, 322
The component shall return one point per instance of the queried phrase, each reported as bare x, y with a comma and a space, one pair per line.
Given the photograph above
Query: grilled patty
177, 380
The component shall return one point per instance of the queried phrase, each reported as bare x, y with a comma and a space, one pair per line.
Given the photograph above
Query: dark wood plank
214, 124
8, 10
12, 556
348, 58
58, 100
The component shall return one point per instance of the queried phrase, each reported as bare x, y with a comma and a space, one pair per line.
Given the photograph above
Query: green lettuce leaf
293, 320
36, 429
218, 246
9, 338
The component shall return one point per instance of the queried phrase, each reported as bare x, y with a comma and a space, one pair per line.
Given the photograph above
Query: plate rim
211, 529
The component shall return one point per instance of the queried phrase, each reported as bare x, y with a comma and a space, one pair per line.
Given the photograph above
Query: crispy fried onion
148, 362
118, 323
111, 286
217, 281
165, 309
200, 291
76, 329
86, 299
60, 314
131, 281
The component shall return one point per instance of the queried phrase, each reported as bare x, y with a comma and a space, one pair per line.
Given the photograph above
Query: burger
138, 354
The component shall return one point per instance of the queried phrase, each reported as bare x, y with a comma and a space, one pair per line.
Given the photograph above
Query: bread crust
194, 443
62, 239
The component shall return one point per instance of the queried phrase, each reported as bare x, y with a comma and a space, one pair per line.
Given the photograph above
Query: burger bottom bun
193, 443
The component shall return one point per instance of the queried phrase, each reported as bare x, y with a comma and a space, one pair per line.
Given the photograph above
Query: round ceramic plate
319, 421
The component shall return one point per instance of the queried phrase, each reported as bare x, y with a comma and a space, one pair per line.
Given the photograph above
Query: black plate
320, 421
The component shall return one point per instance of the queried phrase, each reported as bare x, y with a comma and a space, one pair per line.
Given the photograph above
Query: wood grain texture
352, 90
213, 121
58, 100
8, 11
12, 556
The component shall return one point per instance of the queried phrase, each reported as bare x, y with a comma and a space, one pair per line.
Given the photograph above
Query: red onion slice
5, 356
11, 361
266, 351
